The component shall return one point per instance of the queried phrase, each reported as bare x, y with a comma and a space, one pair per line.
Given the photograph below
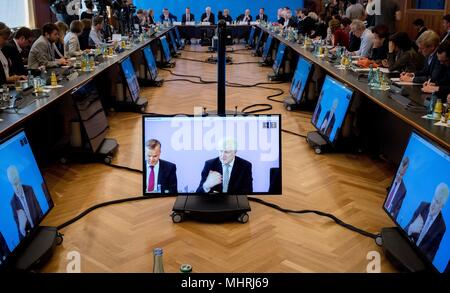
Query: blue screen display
178, 39
24, 198
173, 41
130, 76
279, 58
267, 47
165, 47
417, 200
259, 41
331, 108
151, 64
251, 37
300, 79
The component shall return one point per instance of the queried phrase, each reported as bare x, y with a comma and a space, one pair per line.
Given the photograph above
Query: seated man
397, 193
441, 86
161, 175
6, 75
402, 56
42, 52
261, 16
208, 16
359, 29
187, 16
95, 35
446, 28
288, 20
166, 16
226, 16
246, 17
13, 50
227, 173
24, 204
428, 43
427, 226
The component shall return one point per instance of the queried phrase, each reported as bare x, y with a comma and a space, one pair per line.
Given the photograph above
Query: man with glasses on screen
26, 208
427, 226
161, 175
227, 173
398, 191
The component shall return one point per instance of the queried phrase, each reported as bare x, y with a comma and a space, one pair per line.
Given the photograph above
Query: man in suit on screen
208, 16
159, 172
427, 226
397, 192
188, 16
329, 119
227, 173
25, 206
4, 250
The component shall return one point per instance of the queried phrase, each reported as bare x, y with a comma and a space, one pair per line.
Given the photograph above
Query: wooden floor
121, 238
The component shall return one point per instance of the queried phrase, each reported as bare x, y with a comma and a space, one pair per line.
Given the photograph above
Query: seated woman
380, 43
402, 56
338, 36
71, 42
59, 44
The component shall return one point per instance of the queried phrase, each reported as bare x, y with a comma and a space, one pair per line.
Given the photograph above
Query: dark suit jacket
291, 23
280, 20
432, 71
211, 18
430, 243
33, 206
241, 179
241, 18
183, 18
2, 75
397, 200
12, 53
315, 117
4, 250
227, 18
264, 17
167, 176
151, 20
172, 18
329, 128
84, 39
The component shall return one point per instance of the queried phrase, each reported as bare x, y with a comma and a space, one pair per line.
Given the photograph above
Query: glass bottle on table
158, 266
431, 105
437, 110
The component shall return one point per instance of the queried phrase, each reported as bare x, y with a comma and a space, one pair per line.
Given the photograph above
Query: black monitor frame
173, 42
149, 70
144, 166
402, 232
165, 45
327, 139
283, 57
29, 237
308, 78
134, 99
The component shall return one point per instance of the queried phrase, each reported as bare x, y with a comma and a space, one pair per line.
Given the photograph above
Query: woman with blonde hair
59, 45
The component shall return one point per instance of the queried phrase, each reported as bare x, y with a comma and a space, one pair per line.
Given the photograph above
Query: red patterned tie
151, 179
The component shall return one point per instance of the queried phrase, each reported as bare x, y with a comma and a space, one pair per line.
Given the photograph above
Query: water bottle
431, 105
370, 77
43, 75
30, 78
158, 261
437, 110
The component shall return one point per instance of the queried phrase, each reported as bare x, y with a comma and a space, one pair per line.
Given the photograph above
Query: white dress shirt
5, 63
426, 227
230, 168
156, 171
17, 45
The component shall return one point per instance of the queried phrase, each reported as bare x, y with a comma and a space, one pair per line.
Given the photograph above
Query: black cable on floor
188, 75
323, 214
293, 133
124, 168
266, 107
104, 204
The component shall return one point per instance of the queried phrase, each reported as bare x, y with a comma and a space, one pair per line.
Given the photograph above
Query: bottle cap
158, 251
186, 268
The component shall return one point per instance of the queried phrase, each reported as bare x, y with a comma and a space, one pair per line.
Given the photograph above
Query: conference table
426, 127
11, 120
238, 31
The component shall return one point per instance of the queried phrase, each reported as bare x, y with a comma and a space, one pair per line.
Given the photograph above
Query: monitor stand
157, 82
138, 107
317, 142
399, 251
211, 208
170, 64
290, 104
39, 250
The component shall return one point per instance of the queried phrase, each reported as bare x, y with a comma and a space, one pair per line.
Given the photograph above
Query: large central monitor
332, 106
279, 58
24, 197
237, 155
301, 79
131, 78
418, 200
151, 64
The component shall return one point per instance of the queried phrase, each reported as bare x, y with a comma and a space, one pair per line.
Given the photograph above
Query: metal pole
221, 70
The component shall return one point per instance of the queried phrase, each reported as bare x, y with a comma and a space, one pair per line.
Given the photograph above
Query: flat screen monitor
259, 41
334, 101
279, 58
94, 123
24, 199
165, 48
301, 78
131, 78
267, 47
178, 35
251, 37
151, 64
173, 41
418, 200
238, 155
